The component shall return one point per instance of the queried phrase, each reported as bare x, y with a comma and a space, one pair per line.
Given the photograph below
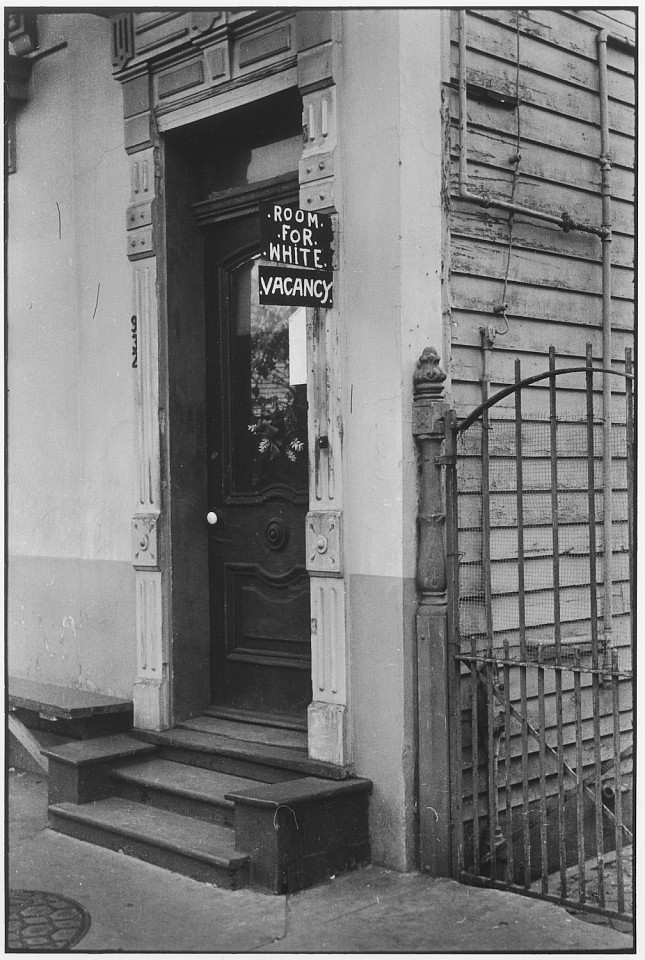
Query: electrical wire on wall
515, 160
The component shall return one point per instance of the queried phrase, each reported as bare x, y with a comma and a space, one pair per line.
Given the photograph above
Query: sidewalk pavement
136, 907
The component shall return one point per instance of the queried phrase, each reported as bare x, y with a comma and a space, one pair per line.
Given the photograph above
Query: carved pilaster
151, 693
429, 409
328, 738
318, 54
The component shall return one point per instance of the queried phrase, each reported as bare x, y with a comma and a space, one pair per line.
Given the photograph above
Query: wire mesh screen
531, 537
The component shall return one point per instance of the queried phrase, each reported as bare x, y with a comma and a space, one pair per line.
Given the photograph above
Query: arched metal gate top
529, 381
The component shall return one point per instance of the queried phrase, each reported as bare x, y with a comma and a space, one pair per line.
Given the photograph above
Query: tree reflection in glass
269, 413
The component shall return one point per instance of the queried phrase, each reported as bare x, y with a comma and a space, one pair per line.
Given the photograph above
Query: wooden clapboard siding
573, 508
567, 134
553, 43
571, 439
538, 543
538, 609
536, 267
554, 279
626, 768
545, 165
565, 336
568, 732
538, 574
544, 90
606, 753
587, 728
574, 632
527, 303
567, 681
572, 474
546, 239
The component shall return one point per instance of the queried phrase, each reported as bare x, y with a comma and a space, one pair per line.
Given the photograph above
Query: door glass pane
269, 410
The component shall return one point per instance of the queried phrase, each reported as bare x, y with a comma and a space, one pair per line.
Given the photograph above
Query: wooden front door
257, 477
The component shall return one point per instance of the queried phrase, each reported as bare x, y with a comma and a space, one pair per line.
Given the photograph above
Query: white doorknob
211, 516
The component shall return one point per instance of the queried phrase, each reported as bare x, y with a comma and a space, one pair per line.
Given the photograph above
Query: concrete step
79, 770
207, 746
191, 791
202, 851
284, 721
300, 832
172, 799
267, 734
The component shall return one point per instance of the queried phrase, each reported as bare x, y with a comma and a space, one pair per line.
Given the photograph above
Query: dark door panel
258, 485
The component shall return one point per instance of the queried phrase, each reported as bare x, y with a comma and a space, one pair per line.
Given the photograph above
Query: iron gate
538, 483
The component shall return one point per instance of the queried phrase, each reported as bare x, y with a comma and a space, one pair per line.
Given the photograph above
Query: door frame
169, 550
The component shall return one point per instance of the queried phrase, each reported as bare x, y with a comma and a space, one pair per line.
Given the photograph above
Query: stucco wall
390, 215
70, 401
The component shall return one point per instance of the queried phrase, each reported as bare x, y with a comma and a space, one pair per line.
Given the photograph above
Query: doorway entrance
237, 411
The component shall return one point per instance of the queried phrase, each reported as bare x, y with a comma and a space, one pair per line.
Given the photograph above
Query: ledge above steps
62, 703
67, 711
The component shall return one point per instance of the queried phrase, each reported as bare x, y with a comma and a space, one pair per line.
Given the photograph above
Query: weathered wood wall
553, 297
554, 292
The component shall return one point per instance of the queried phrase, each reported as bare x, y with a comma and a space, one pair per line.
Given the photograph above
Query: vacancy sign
284, 286
299, 240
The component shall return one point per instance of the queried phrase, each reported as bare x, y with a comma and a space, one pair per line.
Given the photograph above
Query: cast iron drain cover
44, 921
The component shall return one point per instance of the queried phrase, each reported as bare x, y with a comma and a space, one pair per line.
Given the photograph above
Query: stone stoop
211, 806
67, 712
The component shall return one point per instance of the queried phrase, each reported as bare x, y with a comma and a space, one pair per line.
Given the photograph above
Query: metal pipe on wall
605, 173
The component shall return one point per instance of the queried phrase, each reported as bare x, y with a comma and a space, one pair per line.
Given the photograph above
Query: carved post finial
428, 375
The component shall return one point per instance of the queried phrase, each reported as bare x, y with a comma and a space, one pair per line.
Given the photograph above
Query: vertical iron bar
454, 665
522, 624
591, 496
492, 780
618, 801
600, 847
629, 430
474, 750
543, 810
555, 527
580, 791
488, 602
595, 681
510, 867
555, 541
605, 189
